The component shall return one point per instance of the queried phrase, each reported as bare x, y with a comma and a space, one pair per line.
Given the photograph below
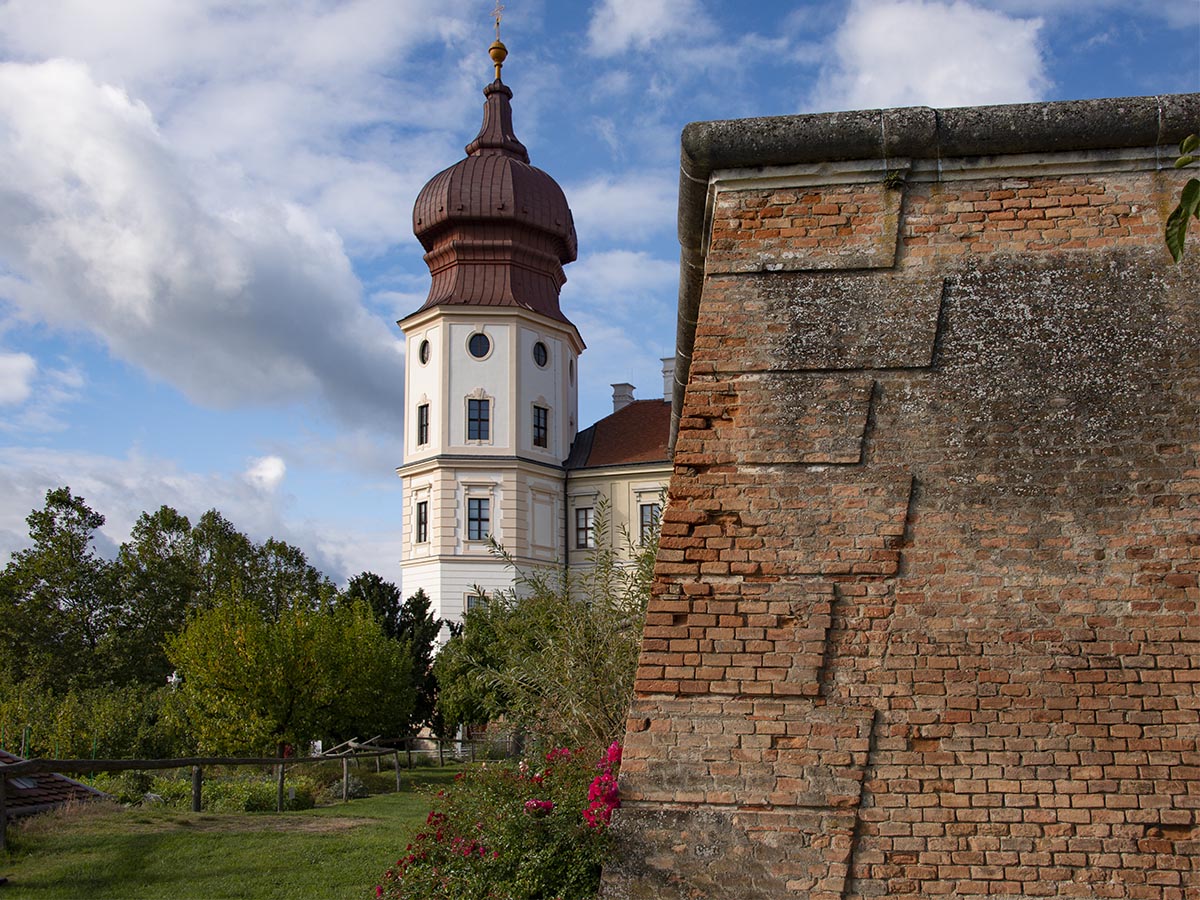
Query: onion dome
496, 230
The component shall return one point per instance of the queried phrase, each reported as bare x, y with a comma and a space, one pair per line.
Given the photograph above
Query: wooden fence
353, 751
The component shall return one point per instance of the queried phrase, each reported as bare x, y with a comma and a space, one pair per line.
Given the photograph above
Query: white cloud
931, 52
121, 488
16, 377
623, 303
266, 473
619, 25
627, 207
104, 229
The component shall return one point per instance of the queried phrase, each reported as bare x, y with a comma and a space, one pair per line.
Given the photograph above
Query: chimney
622, 395
668, 378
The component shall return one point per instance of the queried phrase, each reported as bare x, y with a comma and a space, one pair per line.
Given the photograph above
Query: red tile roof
636, 433
37, 793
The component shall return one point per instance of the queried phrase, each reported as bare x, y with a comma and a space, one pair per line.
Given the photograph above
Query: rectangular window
422, 521
479, 420
476, 601
423, 424
648, 524
479, 518
585, 537
541, 431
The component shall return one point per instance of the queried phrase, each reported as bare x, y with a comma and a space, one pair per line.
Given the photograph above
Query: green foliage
252, 684
504, 832
56, 597
556, 655
159, 573
418, 629
111, 722
1188, 207
381, 597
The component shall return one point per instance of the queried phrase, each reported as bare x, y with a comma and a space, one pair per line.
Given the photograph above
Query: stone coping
918, 132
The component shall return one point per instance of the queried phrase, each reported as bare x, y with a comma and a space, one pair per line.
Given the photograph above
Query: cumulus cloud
266, 473
622, 301
931, 52
16, 377
629, 206
619, 25
310, 100
103, 228
122, 487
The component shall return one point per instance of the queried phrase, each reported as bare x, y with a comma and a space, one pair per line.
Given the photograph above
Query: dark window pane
541, 417
478, 420
479, 521
479, 345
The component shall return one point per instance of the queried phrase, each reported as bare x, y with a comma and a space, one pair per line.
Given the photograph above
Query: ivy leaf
1177, 222
1188, 144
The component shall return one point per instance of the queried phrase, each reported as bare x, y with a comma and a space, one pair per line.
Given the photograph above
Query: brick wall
926, 619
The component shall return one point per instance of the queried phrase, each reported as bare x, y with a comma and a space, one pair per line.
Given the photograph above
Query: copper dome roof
496, 230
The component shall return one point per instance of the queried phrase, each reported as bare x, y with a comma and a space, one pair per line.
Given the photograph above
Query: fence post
197, 782
377, 769
345, 779
408, 750
279, 791
397, 771
441, 753
3, 808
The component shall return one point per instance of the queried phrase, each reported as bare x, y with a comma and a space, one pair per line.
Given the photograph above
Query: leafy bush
357, 790
556, 654
504, 832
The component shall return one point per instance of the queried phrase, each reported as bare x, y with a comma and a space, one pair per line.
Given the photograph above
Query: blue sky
205, 209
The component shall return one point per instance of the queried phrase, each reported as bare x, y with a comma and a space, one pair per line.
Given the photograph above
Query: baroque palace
492, 443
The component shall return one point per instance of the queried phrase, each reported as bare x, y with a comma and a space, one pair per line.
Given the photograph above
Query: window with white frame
648, 516
479, 419
585, 528
541, 426
479, 518
422, 526
423, 424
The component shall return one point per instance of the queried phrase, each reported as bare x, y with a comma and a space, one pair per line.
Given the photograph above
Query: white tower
491, 371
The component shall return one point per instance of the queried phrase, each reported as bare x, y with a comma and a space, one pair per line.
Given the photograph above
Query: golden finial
498, 52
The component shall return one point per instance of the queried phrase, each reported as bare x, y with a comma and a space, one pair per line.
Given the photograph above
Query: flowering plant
535, 831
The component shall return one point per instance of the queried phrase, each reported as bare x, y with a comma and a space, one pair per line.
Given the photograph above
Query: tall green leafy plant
1188, 207
556, 654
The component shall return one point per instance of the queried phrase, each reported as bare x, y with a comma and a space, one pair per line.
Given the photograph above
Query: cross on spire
497, 14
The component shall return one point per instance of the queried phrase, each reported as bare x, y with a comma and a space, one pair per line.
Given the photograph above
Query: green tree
283, 578
381, 597
556, 654
160, 580
252, 683
225, 555
418, 629
57, 597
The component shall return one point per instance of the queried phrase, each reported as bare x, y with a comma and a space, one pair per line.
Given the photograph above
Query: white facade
487, 426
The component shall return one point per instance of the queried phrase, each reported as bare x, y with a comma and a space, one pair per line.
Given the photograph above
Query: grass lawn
99, 851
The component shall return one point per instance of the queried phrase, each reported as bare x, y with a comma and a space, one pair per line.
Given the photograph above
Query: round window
423, 353
479, 345
540, 354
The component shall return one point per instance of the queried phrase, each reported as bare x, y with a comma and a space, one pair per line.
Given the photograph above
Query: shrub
504, 832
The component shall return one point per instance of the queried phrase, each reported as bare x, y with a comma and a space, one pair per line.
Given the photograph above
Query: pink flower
539, 807
379, 890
